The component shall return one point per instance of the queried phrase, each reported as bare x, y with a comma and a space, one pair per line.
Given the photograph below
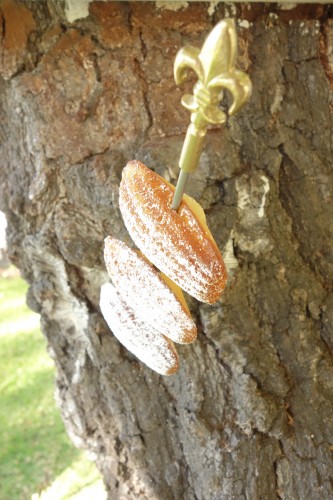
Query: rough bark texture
249, 415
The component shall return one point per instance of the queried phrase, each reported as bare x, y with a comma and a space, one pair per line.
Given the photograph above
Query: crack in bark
3, 25
324, 57
144, 86
215, 347
284, 206
279, 493
97, 69
324, 46
139, 70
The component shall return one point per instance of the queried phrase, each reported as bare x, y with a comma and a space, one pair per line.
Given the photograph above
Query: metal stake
215, 67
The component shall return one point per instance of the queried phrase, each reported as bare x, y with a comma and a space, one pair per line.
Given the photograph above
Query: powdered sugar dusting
153, 349
173, 241
142, 288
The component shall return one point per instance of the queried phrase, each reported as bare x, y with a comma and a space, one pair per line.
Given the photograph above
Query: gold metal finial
215, 67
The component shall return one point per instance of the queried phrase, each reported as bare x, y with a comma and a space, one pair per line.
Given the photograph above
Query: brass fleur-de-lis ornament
215, 67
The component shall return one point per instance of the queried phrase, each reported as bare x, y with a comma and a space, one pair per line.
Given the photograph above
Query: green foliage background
35, 449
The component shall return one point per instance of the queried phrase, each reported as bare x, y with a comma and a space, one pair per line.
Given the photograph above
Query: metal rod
180, 188
215, 68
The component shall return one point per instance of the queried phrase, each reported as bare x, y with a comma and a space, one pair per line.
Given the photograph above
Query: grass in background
35, 452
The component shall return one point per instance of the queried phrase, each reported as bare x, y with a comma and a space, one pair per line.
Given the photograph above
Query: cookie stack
145, 307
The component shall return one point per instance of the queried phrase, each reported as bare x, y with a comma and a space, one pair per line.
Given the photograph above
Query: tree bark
249, 415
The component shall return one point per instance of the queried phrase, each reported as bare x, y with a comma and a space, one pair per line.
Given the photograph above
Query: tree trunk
249, 415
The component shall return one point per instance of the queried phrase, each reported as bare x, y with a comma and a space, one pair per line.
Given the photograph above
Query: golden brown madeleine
143, 288
178, 243
153, 349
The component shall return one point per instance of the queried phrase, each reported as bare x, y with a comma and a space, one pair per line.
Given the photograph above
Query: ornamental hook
215, 68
